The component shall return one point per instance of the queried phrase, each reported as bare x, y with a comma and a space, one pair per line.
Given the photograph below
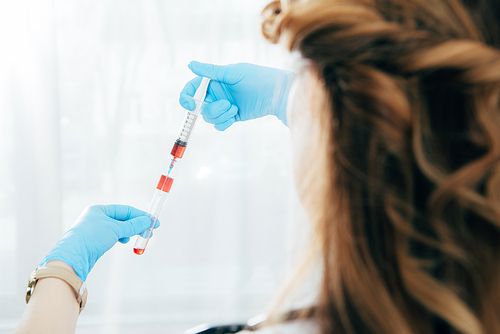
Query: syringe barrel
182, 139
157, 202
189, 121
187, 127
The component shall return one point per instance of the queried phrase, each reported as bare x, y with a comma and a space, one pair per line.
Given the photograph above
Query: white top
199, 95
291, 327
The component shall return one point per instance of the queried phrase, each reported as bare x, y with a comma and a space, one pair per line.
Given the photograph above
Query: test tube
162, 189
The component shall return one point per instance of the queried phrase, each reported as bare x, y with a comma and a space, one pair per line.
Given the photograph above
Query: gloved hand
239, 92
95, 231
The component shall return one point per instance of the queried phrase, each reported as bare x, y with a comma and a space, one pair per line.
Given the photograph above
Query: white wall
88, 113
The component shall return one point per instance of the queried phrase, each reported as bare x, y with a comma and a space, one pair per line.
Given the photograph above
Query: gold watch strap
63, 274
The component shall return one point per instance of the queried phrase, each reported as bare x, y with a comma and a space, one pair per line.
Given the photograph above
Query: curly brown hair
408, 221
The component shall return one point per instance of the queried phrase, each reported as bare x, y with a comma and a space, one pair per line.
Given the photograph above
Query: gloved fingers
214, 72
224, 117
122, 212
215, 109
124, 240
225, 125
133, 226
209, 99
187, 93
187, 102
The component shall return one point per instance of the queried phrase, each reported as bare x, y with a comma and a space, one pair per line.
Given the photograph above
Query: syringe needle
172, 163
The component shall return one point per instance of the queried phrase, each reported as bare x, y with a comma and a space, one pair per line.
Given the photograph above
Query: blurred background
88, 114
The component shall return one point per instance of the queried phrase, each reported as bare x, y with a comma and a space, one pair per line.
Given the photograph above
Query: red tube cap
161, 182
167, 185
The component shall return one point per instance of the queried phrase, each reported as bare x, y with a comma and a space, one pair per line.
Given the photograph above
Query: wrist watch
63, 274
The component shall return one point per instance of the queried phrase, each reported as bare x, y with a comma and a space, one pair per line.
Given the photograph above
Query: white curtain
89, 111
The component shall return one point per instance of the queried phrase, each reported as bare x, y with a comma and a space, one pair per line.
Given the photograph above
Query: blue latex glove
239, 92
95, 231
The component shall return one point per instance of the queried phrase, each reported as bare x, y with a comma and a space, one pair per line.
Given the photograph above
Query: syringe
188, 124
162, 189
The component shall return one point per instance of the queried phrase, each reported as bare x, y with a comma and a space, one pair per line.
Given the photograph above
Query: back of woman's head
409, 218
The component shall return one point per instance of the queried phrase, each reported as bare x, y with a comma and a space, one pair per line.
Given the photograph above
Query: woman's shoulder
290, 327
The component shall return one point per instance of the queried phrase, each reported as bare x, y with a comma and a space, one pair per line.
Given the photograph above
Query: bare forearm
52, 308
